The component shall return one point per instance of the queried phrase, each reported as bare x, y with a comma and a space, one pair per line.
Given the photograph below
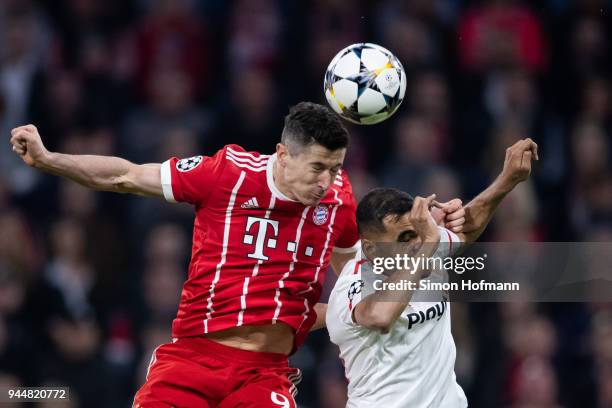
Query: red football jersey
258, 257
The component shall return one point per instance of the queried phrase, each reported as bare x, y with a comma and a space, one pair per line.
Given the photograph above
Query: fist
517, 164
450, 214
27, 144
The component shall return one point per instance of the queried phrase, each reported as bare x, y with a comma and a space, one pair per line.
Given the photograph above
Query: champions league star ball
365, 83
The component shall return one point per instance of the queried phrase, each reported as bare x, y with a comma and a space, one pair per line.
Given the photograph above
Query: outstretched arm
97, 172
517, 168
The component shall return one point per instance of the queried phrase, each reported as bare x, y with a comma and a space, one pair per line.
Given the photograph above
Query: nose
324, 181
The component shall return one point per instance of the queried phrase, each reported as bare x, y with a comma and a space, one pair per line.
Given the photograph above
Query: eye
406, 236
317, 168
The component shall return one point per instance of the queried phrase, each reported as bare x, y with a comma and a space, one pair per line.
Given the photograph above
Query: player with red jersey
266, 229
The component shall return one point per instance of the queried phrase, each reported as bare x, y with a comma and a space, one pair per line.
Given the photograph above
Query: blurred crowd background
89, 282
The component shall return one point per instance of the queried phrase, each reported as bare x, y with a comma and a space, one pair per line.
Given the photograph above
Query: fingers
456, 215
533, 147
421, 205
526, 160
437, 204
456, 225
452, 205
429, 201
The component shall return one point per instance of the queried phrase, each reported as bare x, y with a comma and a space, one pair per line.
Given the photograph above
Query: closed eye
406, 236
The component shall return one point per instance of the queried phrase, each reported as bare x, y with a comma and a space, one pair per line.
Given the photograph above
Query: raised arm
517, 168
97, 172
376, 311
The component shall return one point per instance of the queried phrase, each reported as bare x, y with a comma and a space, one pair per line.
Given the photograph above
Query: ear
281, 154
369, 248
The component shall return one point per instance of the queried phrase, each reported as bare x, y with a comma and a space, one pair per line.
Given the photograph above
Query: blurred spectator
415, 156
21, 54
171, 106
501, 34
171, 38
256, 27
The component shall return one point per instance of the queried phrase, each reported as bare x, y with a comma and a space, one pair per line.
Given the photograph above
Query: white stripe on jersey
248, 155
166, 181
226, 231
247, 160
245, 166
245, 288
281, 284
330, 229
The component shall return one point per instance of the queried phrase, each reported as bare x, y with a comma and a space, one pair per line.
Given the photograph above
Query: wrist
504, 184
45, 161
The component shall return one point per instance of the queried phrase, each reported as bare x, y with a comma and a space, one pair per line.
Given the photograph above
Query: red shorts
197, 372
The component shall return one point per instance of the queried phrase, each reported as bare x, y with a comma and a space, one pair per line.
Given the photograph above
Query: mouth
318, 196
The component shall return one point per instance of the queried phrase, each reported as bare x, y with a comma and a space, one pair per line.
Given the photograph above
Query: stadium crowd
90, 282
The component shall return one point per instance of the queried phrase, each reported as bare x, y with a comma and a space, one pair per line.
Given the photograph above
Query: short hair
378, 204
309, 123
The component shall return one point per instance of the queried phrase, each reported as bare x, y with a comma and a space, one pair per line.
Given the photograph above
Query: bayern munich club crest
189, 163
320, 215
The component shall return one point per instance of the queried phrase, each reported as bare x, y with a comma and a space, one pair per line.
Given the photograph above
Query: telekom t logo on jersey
260, 230
263, 233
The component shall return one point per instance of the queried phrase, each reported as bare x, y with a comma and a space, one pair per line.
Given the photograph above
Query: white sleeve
449, 243
347, 293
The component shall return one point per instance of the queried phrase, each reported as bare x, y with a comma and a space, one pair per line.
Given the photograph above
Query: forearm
382, 308
321, 310
98, 172
480, 210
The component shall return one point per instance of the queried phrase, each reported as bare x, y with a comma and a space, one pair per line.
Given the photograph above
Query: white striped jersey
258, 257
410, 366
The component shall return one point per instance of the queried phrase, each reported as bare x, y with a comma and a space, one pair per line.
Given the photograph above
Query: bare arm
97, 172
321, 309
376, 311
338, 260
517, 168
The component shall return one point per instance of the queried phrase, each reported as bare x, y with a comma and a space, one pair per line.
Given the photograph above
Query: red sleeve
348, 241
192, 179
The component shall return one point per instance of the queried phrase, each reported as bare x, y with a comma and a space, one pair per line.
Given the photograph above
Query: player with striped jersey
397, 348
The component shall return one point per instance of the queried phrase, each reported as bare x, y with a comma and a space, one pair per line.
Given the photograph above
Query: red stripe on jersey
226, 231
450, 243
245, 289
298, 232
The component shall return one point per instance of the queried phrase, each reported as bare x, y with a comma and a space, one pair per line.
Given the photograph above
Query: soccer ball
365, 83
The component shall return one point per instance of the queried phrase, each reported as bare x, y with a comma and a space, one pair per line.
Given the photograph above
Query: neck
278, 180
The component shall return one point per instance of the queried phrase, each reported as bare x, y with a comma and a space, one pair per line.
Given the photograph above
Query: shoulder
449, 242
351, 272
238, 158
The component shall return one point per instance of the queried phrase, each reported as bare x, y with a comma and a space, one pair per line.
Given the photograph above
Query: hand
450, 214
421, 219
27, 143
517, 165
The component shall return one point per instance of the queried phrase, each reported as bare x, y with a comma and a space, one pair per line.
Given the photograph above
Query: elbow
120, 184
375, 320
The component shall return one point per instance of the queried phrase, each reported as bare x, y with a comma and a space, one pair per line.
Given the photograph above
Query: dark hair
379, 203
309, 123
